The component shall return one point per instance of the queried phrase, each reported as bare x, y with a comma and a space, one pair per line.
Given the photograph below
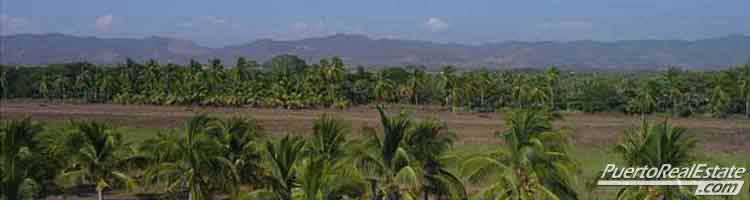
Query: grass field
722, 141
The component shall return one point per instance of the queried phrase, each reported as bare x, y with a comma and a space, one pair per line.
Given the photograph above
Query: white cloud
11, 25
104, 23
436, 24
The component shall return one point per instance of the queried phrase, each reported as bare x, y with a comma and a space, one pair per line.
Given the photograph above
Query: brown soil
590, 130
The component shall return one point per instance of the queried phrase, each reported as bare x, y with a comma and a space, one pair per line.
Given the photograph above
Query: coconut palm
332, 72
325, 174
552, 81
643, 102
97, 154
386, 164
534, 163
329, 138
415, 83
744, 85
239, 146
382, 88
654, 145
196, 160
450, 85
674, 80
429, 142
17, 139
4, 82
720, 101
282, 158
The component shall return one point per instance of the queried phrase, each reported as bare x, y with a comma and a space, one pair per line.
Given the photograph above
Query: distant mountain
361, 50
58, 48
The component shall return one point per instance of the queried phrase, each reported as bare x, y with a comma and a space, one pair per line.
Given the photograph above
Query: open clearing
598, 131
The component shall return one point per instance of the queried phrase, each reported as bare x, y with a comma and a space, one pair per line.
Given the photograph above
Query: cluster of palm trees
288, 82
405, 158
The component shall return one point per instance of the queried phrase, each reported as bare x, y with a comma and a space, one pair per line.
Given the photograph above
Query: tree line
405, 158
286, 81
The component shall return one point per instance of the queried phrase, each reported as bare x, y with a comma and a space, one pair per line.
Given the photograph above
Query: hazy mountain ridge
361, 50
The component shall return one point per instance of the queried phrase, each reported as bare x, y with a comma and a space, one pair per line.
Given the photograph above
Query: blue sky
223, 22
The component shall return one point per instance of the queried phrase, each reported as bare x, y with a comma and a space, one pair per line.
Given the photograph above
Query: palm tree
4, 82
428, 142
97, 153
385, 162
744, 84
325, 174
643, 102
450, 85
238, 140
674, 82
329, 138
17, 141
534, 164
720, 101
196, 159
654, 146
382, 87
552, 80
332, 72
282, 158
415, 83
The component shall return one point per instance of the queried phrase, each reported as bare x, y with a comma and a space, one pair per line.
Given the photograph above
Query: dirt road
590, 130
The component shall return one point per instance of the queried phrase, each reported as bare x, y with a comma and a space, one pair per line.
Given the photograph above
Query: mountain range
720, 52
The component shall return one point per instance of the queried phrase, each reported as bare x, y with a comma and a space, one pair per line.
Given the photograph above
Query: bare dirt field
590, 130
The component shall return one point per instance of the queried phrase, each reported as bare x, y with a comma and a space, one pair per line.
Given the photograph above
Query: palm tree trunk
99, 194
374, 189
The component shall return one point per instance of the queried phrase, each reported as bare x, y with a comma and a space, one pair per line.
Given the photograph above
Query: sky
229, 22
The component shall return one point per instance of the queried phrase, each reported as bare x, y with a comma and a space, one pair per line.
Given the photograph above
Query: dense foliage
403, 158
288, 82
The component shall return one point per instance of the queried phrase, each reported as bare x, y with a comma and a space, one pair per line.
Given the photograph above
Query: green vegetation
405, 158
288, 82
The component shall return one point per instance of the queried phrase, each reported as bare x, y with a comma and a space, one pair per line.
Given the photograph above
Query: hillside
361, 50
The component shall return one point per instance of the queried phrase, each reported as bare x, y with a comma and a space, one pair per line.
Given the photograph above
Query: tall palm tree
17, 141
534, 163
383, 87
450, 85
416, 80
44, 85
654, 145
385, 162
673, 79
4, 82
552, 80
428, 142
720, 101
643, 102
98, 153
332, 72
